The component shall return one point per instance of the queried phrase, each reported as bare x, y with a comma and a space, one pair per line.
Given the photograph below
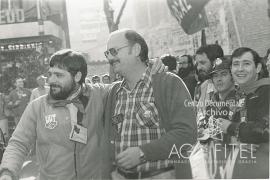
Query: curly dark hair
70, 60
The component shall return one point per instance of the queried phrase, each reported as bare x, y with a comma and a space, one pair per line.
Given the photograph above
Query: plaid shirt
137, 119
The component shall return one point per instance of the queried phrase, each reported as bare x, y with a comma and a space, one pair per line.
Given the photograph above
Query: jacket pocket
147, 115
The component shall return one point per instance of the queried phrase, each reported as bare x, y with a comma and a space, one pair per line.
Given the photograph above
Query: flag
190, 14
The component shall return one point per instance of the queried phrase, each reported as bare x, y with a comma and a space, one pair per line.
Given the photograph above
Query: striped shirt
137, 119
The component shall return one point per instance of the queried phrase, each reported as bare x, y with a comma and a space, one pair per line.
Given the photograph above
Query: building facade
31, 30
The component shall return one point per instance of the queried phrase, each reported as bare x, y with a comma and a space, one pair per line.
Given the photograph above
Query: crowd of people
204, 116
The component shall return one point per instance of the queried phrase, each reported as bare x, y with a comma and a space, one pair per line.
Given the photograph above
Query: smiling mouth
241, 75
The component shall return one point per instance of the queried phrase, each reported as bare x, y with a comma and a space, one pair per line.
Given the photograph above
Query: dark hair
212, 51
256, 58
106, 75
169, 60
267, 54
95, 77
133, 37
240, 51
70, 60
190, 60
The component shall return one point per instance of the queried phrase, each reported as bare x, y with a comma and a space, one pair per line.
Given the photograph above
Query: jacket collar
146, 79
252, 87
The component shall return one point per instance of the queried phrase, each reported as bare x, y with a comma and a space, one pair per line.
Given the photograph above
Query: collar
210, 86
252, 87
145, 78
229, 96
76, 94
74, 99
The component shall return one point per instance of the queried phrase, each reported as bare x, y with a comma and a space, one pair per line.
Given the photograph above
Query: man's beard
64, 92
203, 75
184, 72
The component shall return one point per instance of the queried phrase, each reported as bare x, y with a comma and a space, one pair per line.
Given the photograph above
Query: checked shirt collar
146, 79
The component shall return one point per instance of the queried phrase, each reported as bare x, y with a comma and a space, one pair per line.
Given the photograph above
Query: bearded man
65, 125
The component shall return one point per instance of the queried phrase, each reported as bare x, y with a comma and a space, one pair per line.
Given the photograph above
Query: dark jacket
23, 99
191, 83
256, 128
178, 120
253, 130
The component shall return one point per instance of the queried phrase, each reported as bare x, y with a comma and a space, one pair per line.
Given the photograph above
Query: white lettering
174, 151
20, 15
184, 7
242, 149
180, 150
11, 16
251, 146
2, 16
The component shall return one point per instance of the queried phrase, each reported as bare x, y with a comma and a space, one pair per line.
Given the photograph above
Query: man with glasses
66, 125
145, 114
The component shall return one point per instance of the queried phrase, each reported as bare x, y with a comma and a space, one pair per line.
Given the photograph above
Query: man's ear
137, 49
259, 68
78, 76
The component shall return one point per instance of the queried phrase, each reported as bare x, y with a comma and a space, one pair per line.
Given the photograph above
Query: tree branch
120, 13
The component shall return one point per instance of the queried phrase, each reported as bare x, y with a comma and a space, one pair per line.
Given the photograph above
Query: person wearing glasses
66, 125
146, 115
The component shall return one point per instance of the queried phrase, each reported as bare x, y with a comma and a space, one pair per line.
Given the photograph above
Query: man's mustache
54, 86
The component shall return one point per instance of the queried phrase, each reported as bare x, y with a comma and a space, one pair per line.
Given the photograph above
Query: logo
50, 121
217, 62
147, 114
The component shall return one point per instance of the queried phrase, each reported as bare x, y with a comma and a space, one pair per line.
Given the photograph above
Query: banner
190, 14
31, 11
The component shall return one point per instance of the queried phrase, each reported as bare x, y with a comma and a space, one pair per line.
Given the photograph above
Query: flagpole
235, 24
203, 38
38, 10
9, 5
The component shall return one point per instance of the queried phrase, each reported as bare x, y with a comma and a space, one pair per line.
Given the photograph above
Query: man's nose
219, 78
199, 67
240, 67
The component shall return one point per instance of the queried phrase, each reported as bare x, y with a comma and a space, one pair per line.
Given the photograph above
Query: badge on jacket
78, 133
50, 121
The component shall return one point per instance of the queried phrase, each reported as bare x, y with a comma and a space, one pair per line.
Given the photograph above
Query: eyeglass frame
106, 53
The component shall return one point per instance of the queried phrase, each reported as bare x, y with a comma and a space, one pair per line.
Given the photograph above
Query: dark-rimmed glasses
113, 51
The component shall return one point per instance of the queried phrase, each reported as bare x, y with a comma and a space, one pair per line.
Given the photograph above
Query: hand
6, 177
224, 124
128, 158
158, 66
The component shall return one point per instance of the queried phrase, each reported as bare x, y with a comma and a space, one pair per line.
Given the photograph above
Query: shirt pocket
117, 121
147, 115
